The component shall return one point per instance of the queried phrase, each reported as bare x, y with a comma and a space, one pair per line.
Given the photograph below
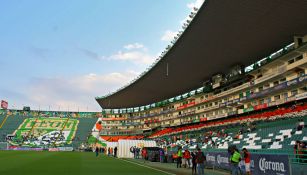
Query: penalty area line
147, 167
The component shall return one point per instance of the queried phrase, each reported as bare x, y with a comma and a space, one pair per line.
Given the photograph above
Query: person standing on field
115, 151
235, 158
144, 154
247, 160
200, 160
194, 164
161, 152
179, 157
97, 151
186, 158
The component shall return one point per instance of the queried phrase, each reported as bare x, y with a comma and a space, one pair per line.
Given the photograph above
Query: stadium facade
236, 75
276, 80
233, 58
220, 36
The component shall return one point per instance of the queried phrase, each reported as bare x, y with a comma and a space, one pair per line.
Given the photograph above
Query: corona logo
210, 158
268, 165
221, 159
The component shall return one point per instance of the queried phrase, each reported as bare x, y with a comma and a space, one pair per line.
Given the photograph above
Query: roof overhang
221, 35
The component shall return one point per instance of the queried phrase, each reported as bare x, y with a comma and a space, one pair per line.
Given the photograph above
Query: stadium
232, 83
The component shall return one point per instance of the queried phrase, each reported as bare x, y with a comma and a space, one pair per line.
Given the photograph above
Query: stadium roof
221, 35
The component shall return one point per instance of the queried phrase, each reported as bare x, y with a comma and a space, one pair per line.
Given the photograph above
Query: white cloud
136, 53
137, 57
168, 35
75, 92
134, 46
196, 4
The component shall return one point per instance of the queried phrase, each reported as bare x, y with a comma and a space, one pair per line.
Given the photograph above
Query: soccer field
65, 163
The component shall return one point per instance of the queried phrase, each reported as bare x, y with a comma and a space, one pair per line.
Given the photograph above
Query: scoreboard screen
26, 108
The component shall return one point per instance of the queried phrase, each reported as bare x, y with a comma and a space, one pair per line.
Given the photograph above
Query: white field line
147, 167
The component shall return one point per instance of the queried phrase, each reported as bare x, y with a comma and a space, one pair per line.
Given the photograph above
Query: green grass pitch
66, 163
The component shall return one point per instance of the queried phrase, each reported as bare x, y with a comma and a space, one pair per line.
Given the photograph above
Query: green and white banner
42, 131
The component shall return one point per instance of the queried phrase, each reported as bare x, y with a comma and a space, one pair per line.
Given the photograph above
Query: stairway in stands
84, 129
11, 124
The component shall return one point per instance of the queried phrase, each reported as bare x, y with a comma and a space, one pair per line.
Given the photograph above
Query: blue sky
63, 54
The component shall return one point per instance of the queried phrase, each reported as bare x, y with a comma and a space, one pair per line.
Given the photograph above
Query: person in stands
247, 160
296, 149
300, 125
235, 158
179, 157
186, 158
303, 152
200, 160
193, 154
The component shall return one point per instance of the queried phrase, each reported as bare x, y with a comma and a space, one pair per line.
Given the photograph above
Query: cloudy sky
60, 55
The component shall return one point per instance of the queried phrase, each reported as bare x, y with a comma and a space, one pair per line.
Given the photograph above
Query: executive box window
282, 80
266, 86
299, 58
291, 61
294, 92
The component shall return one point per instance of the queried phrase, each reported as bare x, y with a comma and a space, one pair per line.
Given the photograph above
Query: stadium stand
13, 121
116, 138
277, 129
10, 125
84, 130
266, 115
